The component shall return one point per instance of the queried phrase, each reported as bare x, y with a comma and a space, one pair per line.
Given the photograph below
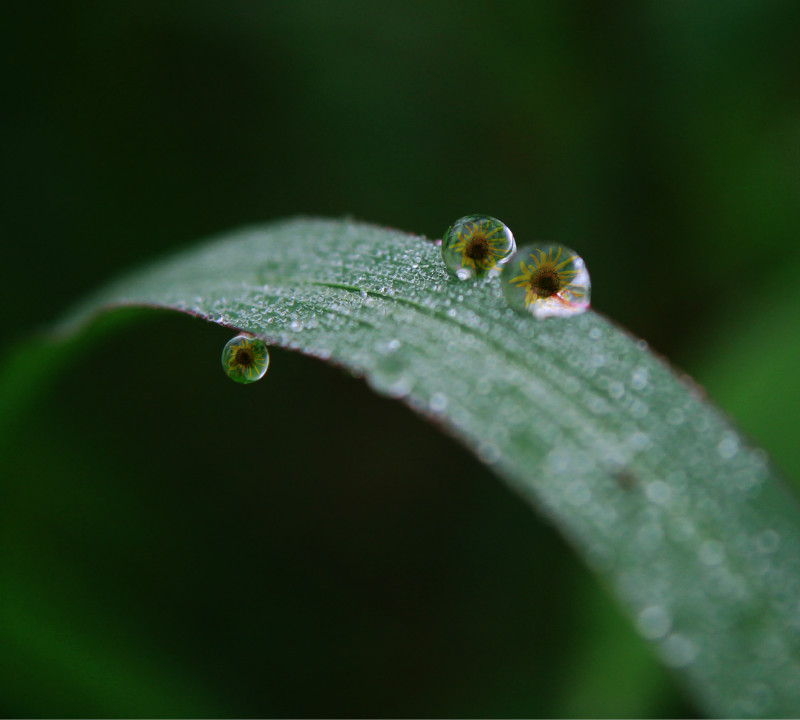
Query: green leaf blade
661, 496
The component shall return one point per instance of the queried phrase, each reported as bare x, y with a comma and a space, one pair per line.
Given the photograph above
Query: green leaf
684, 522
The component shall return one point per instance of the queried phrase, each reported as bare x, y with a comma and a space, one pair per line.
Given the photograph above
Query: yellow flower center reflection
480, 246
245, 358
548, 276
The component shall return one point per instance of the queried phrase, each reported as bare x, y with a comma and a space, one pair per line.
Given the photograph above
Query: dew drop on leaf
477, 246
678, 651
245, 358
546, 281
654, 622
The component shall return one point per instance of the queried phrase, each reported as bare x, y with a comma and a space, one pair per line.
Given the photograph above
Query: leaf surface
657, 491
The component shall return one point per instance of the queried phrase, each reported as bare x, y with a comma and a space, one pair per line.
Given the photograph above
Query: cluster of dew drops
543, 280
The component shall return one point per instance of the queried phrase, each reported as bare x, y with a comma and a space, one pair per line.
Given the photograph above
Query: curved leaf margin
653, 486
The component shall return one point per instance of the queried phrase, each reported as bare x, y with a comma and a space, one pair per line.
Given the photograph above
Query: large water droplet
477, 245
245, 358
547, 281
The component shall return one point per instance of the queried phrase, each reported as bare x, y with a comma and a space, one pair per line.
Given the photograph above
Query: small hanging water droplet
546, 281
476, 246
245, 358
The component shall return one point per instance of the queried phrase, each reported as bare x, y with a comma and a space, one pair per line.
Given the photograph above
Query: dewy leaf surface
652, 485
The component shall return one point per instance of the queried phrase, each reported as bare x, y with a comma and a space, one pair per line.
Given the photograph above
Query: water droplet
654, 622
659, 492
616, 390
489, 453
711, 552
728, 446
476, 246
639, 378
438, 402
598, 360
547, 281
245, 358
678, 651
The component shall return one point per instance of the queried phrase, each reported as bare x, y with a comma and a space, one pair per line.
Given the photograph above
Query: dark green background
175, 544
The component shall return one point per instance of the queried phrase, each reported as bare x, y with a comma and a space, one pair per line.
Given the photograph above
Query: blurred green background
174, 544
